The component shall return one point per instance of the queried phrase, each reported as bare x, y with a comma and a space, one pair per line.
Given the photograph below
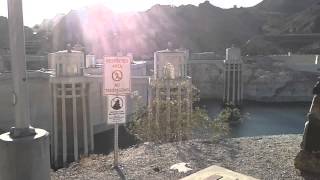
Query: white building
233, 85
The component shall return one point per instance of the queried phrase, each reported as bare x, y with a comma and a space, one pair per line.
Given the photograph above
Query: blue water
265, 118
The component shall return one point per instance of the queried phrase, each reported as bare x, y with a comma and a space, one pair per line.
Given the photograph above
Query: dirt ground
265, 157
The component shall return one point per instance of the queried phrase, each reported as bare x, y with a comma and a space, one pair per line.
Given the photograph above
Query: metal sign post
117, 82
116, 145
116, 115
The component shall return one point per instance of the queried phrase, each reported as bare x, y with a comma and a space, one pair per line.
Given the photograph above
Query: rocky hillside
198, 28
307, 21
285, 6
286, 17
4, 35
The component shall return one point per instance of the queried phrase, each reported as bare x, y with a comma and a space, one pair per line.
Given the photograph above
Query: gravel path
265, 157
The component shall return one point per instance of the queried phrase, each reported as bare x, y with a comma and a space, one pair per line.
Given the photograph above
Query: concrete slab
217, 173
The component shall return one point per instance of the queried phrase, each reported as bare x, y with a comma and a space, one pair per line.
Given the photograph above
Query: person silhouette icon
116, 105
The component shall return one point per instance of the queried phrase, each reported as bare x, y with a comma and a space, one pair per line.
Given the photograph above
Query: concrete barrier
25, 158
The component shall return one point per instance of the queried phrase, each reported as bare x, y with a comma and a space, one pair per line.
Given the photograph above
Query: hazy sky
36, 10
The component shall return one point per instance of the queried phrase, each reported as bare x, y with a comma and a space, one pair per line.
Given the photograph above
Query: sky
37, 10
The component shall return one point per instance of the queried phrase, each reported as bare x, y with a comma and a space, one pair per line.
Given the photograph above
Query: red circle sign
117, 75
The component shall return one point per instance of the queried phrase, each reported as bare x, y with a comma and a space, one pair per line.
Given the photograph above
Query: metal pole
18, 66
116, 147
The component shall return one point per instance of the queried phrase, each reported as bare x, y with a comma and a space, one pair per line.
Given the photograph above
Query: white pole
168, 109
75, 122
85, 121
238, 84
228, 81
242, 82
224, 82
233, 83
64, 124
55, 124
179, 111
18, 66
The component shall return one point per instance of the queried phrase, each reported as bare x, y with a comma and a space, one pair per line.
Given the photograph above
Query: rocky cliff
264, 80
270, 80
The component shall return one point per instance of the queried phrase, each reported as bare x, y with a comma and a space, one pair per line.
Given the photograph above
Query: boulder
308, 162
308, 159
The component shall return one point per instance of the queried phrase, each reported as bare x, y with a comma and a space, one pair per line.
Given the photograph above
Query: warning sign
116, 109
117, 75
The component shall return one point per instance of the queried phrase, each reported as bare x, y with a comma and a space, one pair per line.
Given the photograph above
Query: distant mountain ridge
285, 6
4, 34
202, 28
198, 28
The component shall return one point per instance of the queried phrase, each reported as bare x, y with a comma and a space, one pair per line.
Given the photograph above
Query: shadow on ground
103, 142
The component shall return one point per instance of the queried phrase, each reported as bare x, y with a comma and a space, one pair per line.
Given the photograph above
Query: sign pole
116, 145
117, 84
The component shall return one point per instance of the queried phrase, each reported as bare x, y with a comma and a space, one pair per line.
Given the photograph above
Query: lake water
260, 119
265, 118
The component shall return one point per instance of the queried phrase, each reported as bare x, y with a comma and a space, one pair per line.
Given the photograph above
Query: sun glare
37, 10
126, 6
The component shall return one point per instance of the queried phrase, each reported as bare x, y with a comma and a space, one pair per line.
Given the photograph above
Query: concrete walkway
217, 173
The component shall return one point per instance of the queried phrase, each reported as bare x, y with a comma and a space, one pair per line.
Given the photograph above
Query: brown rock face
311, 134
308, 159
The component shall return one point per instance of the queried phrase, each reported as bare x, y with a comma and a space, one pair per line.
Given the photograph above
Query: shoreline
251, 101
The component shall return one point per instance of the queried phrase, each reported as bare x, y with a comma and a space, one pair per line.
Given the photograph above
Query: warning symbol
116, 103
117, 75
116, 109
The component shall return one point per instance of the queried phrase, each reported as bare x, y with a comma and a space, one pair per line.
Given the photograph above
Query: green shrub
145, 127
179, 128
221, 124
230, 113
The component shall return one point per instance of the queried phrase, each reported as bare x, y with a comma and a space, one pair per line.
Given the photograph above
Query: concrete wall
6, 107
207, 76
139, 68
40, 101
2, 69
33, 62
298, 62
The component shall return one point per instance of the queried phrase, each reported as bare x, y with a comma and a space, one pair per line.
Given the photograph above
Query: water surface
265, 118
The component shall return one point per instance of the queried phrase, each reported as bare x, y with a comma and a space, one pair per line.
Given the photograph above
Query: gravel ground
265, 157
